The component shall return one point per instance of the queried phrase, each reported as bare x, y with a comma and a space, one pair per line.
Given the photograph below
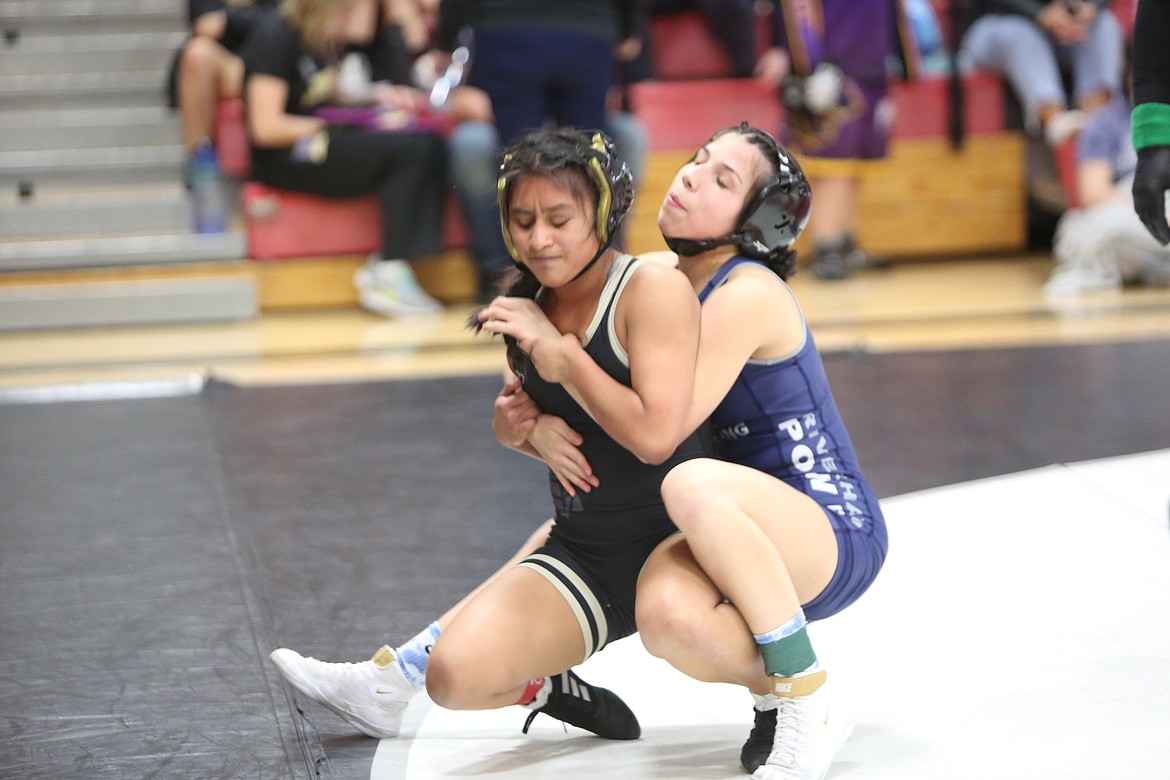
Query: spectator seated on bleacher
1102, 245
325, 117
207, 68
1028, 42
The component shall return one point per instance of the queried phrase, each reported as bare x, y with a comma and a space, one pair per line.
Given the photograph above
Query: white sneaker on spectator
390, 288
1075, 279
1062, 126
371, 695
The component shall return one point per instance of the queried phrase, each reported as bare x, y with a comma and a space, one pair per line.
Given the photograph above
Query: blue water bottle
208, 208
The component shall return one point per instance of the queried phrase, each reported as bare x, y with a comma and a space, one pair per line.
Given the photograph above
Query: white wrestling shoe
807, 733
371, 695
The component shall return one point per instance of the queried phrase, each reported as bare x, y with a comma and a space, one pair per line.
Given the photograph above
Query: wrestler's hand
1151, 181
524, 321
559, 447
513, 415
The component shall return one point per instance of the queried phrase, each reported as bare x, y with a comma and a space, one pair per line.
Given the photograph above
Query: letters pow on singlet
812, 456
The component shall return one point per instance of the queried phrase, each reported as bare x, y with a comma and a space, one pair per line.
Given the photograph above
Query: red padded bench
1065, 157
683, 114
923, 106
280, 224
682, 46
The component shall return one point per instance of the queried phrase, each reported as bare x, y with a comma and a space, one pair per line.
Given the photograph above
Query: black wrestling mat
154, 550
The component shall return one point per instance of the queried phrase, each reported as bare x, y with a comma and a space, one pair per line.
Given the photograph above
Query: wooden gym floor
939, 305
177, 501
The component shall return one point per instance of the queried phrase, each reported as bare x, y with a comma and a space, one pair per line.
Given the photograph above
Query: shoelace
335, 667
343, 673
791, 722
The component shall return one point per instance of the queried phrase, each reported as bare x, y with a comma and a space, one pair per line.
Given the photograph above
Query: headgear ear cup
595, 155
615, 187
778, 213
604, 193
502, 199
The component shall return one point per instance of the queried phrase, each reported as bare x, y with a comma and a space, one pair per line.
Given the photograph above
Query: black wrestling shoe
759, 743
576, 702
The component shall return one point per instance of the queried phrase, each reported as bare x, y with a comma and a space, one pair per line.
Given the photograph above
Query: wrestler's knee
449, 679
667, 622
461, 677
691, 490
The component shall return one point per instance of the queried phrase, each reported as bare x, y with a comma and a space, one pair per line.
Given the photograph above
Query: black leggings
407, 170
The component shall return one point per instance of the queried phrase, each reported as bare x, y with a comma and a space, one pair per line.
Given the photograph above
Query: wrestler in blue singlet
779, 417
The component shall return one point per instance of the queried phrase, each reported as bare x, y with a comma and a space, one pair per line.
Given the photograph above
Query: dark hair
587, 165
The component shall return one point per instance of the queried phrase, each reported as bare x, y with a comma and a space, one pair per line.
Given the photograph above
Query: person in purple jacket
829, 61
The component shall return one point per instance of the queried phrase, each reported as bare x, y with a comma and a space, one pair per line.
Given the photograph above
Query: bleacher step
74, 54
119, 250
122, 88
167, 22
49, 213
63, 17
62, 128
87, 9
79, 167
127, 302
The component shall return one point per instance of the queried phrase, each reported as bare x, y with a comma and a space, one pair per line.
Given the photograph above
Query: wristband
1151, 125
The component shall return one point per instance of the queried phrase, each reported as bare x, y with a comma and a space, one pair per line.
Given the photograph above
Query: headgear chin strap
600, 251
687, 247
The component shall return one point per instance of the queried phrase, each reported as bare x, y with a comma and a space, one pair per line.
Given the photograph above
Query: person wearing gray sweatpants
1027, 42
1103, 245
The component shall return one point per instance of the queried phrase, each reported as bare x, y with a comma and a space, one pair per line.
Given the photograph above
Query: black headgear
596, 156
773, 219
